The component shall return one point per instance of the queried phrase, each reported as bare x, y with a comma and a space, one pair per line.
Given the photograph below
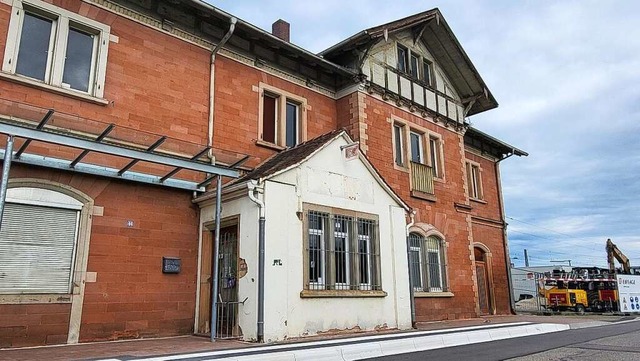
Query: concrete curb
374, 346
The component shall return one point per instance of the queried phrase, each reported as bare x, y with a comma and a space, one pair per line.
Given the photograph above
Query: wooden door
483, 287
204, 304
227, 278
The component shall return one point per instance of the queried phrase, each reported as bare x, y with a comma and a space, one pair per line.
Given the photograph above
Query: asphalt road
619, 341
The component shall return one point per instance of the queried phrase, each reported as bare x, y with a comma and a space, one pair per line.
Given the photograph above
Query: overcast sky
567, 77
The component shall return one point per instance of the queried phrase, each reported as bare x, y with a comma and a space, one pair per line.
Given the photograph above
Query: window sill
53, 89
478, 200
465, 208
400, 168
433, 294
34, 299
424, 196
273, 146
341, 294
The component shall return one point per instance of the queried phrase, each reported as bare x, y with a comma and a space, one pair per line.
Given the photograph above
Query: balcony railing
421, 178
415, 91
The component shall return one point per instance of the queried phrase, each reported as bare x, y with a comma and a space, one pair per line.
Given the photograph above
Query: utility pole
526, 259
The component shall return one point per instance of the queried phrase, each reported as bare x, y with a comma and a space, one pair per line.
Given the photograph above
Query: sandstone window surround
282, 119
419, 152
56, 49
474, 180
425, 147
427, 263
341, 253
43, 242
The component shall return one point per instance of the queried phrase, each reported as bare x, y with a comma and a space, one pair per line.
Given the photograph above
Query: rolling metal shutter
37, 247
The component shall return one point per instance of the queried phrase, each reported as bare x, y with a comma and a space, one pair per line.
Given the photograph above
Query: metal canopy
46, 138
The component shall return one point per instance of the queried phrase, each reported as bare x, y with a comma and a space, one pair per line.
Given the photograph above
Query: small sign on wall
351, 151
170, 265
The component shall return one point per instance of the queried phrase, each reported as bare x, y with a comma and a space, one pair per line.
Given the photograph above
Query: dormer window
403, 54
427, 72
414, 65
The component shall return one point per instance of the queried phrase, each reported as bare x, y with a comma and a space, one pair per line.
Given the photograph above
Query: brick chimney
281, 29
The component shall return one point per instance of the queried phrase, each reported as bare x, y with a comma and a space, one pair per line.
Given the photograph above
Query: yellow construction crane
613, 252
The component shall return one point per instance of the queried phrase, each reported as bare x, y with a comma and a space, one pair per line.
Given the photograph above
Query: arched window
38, 241
426, 262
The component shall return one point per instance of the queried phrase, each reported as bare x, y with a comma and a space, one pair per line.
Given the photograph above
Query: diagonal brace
86, 151
177, 169
40, 125
150, 149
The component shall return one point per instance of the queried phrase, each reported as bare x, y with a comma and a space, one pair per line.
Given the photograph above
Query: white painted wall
247, 249
327, 179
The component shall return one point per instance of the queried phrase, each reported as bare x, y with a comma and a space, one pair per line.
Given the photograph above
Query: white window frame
428, 78
344, 234
405, 58
48, 198
352, 265
474, 180
297, 121
421, 137
420, 269
63, 21
440, 267
424, 266
282, 99
406, 128
320, 284
436, 160
401, 128
367, 239
421, 61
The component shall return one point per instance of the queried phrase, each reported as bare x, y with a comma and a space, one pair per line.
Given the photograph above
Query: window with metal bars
426, 263
341, 252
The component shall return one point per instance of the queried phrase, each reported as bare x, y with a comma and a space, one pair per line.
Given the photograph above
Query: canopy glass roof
48, 138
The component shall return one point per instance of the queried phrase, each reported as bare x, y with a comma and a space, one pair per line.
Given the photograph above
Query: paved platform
432, 334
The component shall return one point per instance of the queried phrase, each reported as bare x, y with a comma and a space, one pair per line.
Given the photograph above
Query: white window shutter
37, 246
11, 47
101, 64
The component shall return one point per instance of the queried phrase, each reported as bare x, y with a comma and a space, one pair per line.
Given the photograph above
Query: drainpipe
216, 258
412, 216
212, 84
254, 188
6, 166
507, 257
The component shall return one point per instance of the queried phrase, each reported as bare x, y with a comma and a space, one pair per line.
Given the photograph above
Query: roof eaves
293, 47
514, 150
493, 102
406, 22
352, 39
378, 31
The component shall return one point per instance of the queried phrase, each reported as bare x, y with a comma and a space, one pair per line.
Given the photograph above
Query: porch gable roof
292, 157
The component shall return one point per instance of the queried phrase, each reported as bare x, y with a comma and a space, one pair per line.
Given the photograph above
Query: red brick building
104, 99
